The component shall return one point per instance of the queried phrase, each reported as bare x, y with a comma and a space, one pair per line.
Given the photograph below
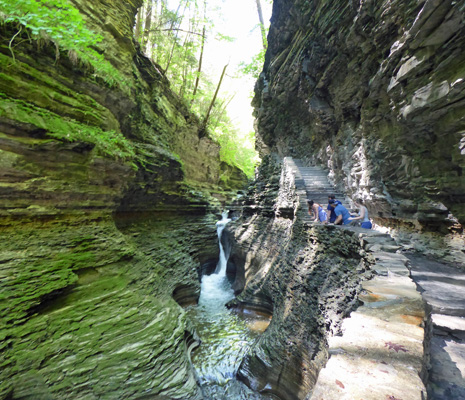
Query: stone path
406, 331
380, 355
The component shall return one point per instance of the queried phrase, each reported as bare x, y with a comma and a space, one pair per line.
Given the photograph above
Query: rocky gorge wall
95, 240
375, 92
307, 276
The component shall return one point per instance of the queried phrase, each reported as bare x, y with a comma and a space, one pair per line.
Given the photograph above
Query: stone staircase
312, 183
380, 354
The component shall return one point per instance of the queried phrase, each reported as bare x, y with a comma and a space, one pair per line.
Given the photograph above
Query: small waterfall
223, 261
225, 336
215, 288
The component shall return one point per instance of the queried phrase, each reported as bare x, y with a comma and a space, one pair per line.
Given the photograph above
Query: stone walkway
443, 288
409, 329
380, 355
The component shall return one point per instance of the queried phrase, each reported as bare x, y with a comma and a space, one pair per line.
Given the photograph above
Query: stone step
313, 173
321, 183
324, 194
380, 353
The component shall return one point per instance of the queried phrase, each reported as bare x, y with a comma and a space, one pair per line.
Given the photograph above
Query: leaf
340, 384
396, 347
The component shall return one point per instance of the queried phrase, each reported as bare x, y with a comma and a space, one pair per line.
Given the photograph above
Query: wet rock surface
380, 353
88, 311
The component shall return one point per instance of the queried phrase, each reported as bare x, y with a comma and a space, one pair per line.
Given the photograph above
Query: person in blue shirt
342, 214
332, 214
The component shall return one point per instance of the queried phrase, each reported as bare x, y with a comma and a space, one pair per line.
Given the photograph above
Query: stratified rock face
86, 308
308, 276
376, 92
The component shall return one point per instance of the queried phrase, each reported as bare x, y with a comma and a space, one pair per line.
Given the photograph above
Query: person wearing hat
332, 215
342, 214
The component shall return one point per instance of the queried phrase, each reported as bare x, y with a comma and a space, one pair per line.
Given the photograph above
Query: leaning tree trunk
138, 23
203, 128
199, 70
262, 23
171, 29
148, 24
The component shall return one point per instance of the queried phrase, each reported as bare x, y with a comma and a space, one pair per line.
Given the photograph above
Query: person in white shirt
362, 215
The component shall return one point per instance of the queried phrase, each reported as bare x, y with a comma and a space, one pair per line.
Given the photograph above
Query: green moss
110, 143
75, 261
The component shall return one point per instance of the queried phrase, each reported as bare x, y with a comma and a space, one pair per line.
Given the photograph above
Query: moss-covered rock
86, 308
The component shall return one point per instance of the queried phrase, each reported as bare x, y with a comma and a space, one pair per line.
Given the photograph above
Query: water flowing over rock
375, 92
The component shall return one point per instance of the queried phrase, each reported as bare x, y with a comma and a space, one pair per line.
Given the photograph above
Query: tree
148, 23
199, 70
262, 23
205, 121
176, 40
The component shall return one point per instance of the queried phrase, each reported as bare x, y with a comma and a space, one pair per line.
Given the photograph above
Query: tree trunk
207, 116
200, 66
185, 64
223, 110
148, 23
262, 23
171, 28
138, 24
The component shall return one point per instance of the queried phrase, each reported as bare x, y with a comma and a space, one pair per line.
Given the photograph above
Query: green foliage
225, 38
236, 149
60, 22
255, 67
174, 42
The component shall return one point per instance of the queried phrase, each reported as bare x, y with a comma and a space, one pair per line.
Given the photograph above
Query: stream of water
225, 336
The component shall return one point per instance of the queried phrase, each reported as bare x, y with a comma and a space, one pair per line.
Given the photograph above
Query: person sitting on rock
342, 214
332, 215
317, 211
362, 215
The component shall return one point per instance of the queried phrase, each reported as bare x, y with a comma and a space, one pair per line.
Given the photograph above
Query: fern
60, 22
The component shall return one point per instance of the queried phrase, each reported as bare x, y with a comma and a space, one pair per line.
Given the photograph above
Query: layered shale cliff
375, 92
307, 276
95, 239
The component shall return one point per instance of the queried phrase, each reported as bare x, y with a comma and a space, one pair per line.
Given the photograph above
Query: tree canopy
175, 38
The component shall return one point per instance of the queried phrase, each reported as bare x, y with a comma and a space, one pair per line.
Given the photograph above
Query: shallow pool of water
225, 338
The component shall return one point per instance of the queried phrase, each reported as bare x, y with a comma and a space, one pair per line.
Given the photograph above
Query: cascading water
215, 289
225, 336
